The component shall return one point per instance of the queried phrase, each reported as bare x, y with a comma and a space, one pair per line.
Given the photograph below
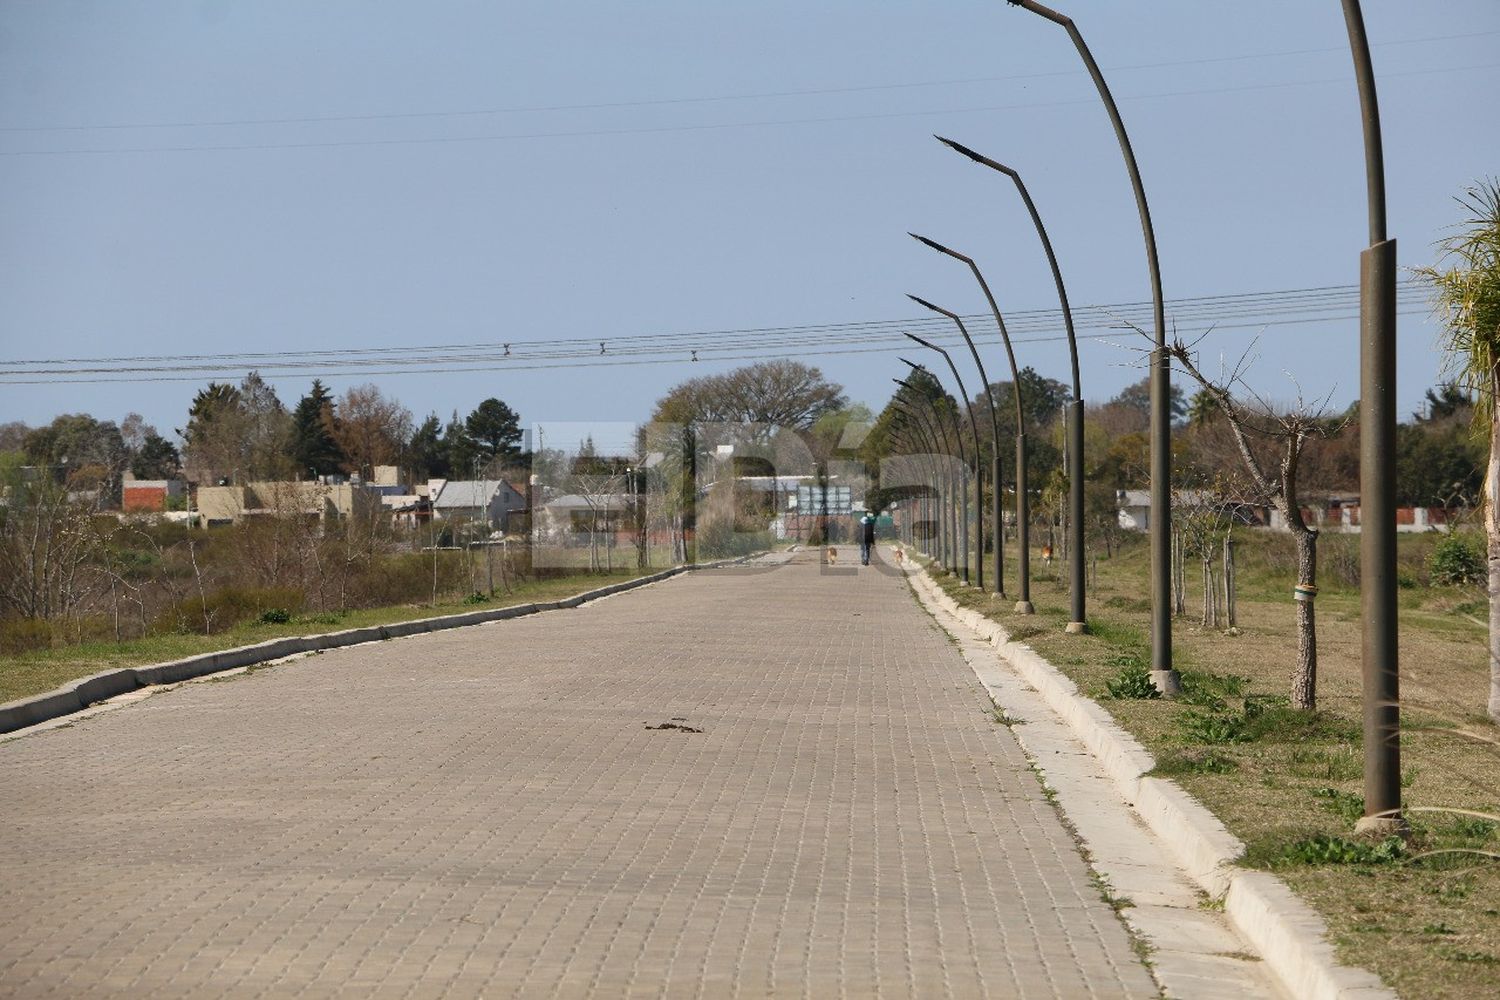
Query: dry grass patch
1290, 785
38, 671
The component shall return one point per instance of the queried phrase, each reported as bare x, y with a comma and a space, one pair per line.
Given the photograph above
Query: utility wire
714, 99
1230, 312
710, 126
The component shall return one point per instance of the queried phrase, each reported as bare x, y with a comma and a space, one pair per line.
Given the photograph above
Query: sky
212, 178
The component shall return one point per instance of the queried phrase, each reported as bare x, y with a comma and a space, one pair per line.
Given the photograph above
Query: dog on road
833, 556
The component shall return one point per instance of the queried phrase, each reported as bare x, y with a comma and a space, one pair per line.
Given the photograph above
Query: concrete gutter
1288, 934
79, 694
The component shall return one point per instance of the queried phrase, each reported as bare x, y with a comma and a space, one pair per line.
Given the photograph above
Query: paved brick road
484, 812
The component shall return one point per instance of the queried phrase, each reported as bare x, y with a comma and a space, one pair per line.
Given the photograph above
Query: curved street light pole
1023, 498
989, 398
1076, 624
940, 435
931, 447
1380, 662
922, 504
1163, 675
995, 420
962, 535
974, 433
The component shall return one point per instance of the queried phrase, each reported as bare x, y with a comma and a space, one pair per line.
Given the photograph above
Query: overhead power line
710, 99
1238, 311
712, 126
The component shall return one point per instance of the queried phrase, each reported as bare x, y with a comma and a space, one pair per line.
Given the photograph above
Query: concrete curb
79, 694
1288, 934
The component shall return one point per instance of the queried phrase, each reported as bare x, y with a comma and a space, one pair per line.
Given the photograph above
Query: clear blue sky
621, 182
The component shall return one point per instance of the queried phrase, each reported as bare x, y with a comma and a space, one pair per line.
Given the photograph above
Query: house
150, 495
574, 512
489, 500
313, 500
1133, 508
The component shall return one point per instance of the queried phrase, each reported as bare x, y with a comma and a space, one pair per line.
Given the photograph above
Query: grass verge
39, 671
1289, 784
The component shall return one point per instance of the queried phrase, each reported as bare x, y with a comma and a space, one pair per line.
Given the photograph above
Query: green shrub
1457, 561
1326, 850
1132, 682
226, 607
477, 597
1212, 727
1348, 806
275, 616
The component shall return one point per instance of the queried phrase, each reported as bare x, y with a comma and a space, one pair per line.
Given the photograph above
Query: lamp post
978, 478
962, 508
962, 534
940, 436
1163, 675
922, 505
1023, 499
924, 430
1377, 467
998, 516
1076, 625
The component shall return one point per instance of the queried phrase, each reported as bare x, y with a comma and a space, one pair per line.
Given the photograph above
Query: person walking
866, 537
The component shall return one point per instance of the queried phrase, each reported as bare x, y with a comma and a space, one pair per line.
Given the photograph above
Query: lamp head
913, 336
959, 147
928, 305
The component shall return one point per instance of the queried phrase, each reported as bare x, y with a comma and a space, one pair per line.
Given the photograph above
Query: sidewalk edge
76, 695
1289, 935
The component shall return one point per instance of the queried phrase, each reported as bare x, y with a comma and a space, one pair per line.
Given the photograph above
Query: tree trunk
1229, 580
1305, 680
1208, 593
1492, 538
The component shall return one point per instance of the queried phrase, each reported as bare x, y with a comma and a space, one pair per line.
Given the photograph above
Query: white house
488, 500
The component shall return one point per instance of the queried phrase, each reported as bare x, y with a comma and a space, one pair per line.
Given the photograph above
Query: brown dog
833, 556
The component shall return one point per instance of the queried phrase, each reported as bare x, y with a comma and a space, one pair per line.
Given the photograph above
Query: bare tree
1272, 472
50, 547
370, 428
1201, 519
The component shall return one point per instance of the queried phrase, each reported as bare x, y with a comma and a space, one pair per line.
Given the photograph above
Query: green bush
1212, 727
275, 616
1325, 850
1457, 561
1132, 682
223, 609
1347, 805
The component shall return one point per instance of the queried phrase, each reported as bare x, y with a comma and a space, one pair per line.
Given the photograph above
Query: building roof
458, 494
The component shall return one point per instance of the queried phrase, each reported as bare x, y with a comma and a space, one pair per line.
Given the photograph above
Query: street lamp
1163, 675
1075, 408
911, 421
1023, 499
925, 454
978, 477
998, 516
1377, 469
939, 437
961, 508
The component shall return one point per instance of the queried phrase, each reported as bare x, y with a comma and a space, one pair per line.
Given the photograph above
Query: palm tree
1467, 288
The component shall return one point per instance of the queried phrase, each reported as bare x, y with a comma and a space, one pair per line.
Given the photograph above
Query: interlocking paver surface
485, 812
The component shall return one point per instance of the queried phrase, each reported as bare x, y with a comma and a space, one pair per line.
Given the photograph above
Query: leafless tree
1270, 442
